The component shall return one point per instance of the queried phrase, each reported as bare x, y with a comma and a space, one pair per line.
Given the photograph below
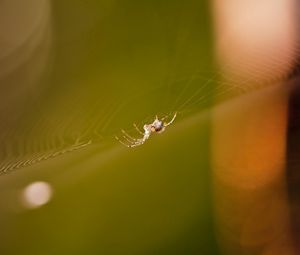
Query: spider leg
135, 145
120, 141
128, 143
140, 141
128, 135
171, 121
137, 128
128, 140
134, 141
131, 144
165, 117
131, 141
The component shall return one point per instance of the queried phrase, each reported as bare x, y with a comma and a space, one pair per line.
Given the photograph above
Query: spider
157, 126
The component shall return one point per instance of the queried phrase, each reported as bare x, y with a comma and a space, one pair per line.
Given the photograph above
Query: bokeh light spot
37, 194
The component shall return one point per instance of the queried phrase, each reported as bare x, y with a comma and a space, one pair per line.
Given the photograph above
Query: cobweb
87, 122
80, 107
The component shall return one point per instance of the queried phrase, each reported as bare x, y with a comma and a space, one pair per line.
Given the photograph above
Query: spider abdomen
158, 126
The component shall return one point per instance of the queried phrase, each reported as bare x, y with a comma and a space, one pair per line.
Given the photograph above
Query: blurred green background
90, 69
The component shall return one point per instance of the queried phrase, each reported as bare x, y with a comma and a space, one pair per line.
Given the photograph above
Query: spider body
157, 126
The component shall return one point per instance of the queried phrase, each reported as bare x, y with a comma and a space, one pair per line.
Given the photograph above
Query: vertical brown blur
256, 46
293, 176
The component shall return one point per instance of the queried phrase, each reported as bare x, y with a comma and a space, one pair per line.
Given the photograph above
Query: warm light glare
37, 194
256, 38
